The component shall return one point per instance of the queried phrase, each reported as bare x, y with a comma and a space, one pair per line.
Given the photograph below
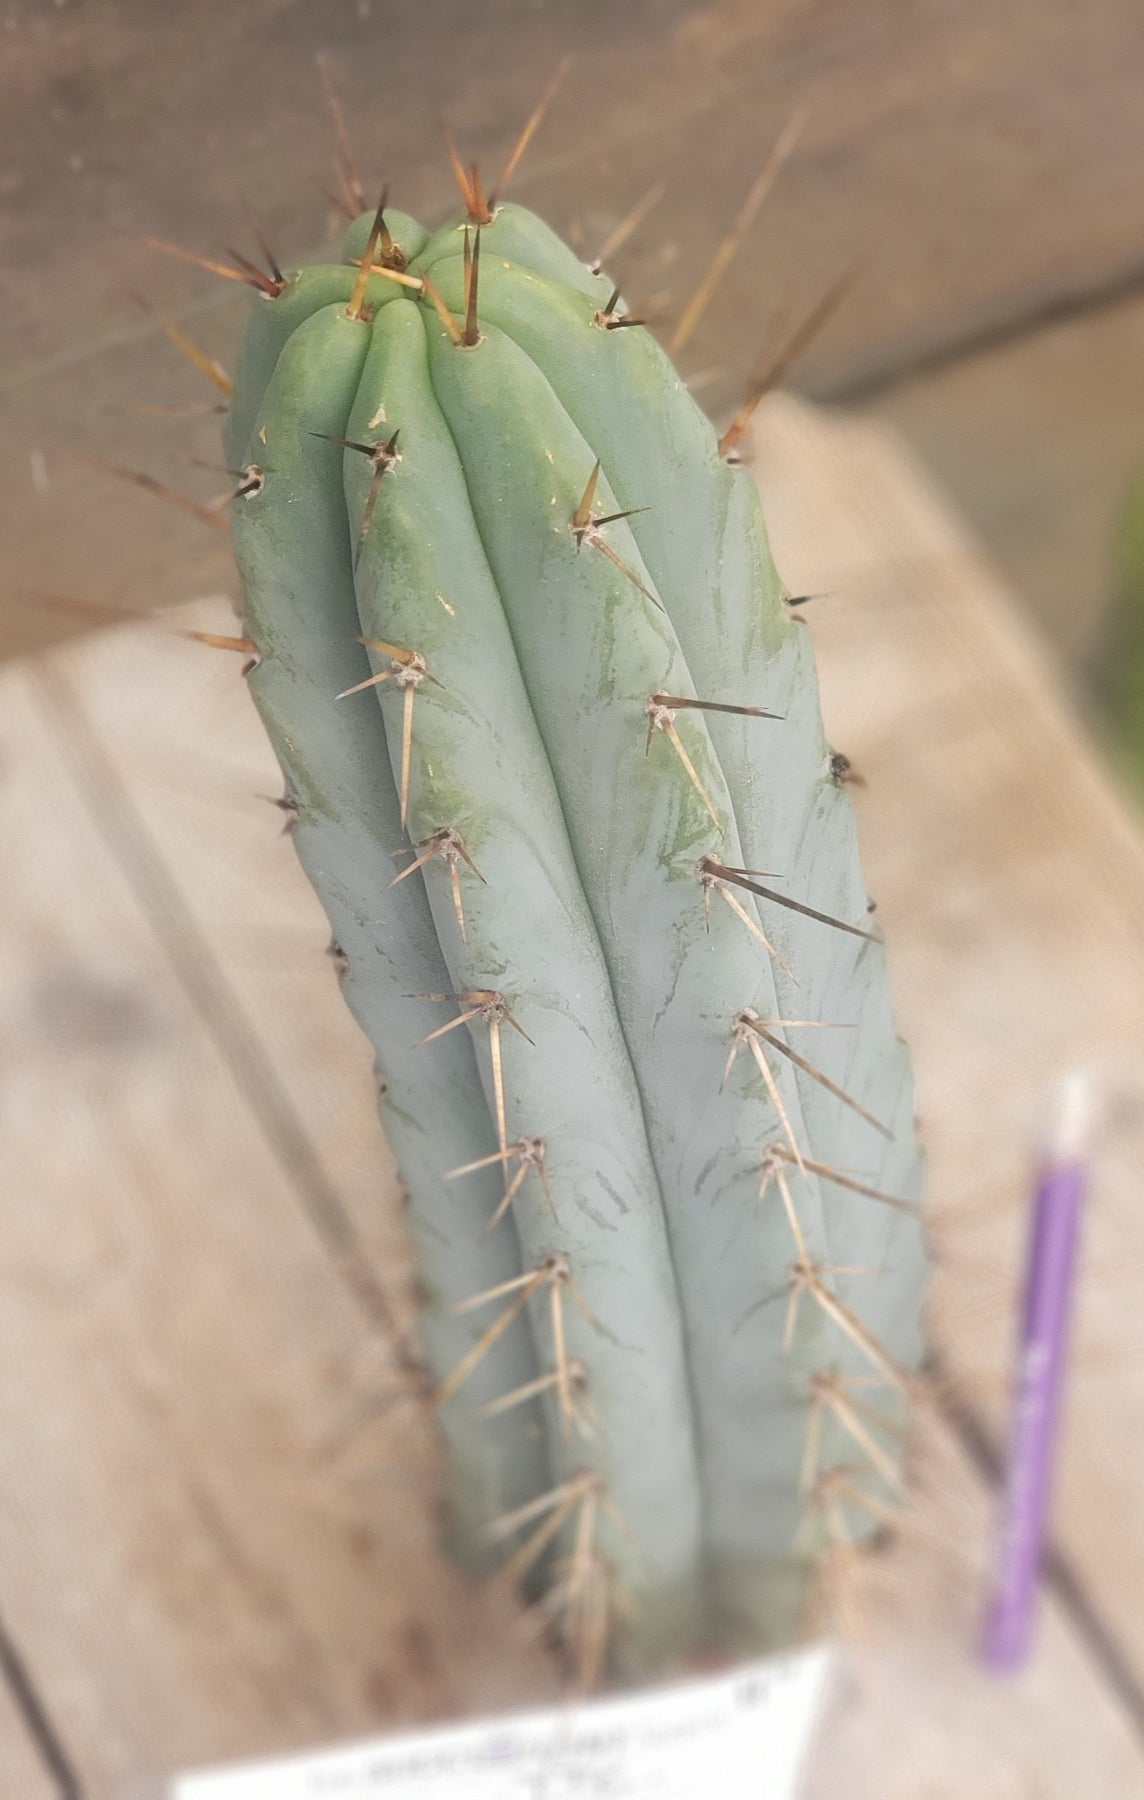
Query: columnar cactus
551, 735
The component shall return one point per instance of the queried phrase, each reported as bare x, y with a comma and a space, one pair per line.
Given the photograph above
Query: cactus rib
553, 743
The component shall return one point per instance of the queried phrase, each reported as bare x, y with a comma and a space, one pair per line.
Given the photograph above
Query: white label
742, 1736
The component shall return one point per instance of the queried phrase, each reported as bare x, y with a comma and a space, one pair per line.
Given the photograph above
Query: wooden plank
1007, 872
265, 956
1039, 443
185, 1570
850, 515
1011, 881
990, 107
913, 1714
942, 1715
25, 1773
189, 782
975, 159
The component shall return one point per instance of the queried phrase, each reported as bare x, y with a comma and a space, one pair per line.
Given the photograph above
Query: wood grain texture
24, 1772
1040, 444
190, 1570
1010, 879
970, 151
212, 1546
974, 158
912, 1714
248, 918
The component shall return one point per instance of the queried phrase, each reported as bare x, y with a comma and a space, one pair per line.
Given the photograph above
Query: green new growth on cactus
551, 735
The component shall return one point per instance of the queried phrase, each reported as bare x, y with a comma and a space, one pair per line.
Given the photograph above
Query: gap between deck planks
183, 1575
28, 1769
187, 1572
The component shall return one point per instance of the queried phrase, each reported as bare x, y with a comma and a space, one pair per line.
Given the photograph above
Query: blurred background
979, 164
209, 1546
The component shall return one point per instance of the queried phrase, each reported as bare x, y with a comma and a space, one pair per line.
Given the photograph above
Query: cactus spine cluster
550, 733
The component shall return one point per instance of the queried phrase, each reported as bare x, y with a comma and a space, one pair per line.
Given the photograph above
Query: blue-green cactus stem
294, 555
528, 668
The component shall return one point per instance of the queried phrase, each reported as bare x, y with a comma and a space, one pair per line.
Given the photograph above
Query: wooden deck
978, 162
213, 1542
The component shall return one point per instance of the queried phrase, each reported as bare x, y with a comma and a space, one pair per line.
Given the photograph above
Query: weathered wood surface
189, 1568
1010, 879
23, 1768
978, 159
912, 1715
1040, 443
1008, 130
197, 1560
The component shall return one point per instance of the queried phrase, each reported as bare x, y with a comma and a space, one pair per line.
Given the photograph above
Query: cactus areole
552, 736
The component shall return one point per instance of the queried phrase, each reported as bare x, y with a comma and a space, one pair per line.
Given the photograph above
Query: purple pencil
1039, 1377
